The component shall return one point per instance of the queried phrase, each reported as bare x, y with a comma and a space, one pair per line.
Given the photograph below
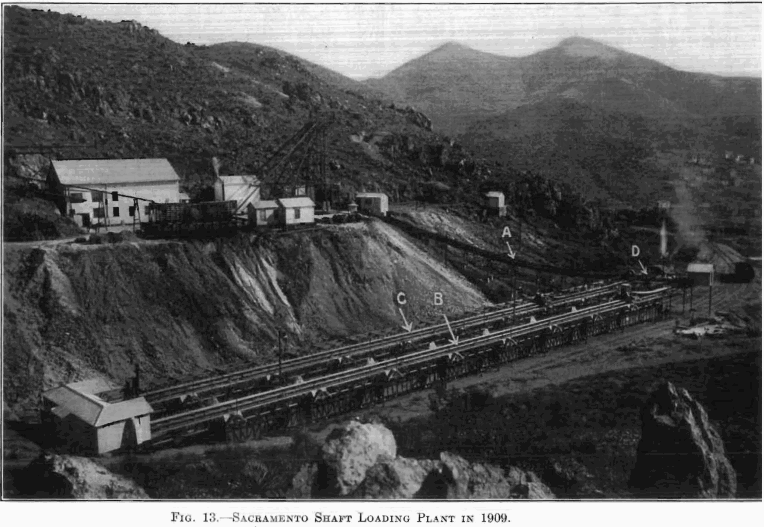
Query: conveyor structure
335, 393
269, 376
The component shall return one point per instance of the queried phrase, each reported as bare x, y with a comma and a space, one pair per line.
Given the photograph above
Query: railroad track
321, 362
365, 375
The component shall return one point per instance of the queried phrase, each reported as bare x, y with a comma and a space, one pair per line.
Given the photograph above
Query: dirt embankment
75, 311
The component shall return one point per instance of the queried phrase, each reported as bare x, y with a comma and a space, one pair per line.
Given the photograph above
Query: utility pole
691, 294
514, 291
281, 378
710, 294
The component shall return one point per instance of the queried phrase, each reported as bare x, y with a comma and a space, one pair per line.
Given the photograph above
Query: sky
365, 40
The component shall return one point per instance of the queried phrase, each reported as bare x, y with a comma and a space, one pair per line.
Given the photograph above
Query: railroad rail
316, 398
268, 376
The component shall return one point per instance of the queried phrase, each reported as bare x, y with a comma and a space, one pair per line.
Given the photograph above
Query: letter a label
506, 233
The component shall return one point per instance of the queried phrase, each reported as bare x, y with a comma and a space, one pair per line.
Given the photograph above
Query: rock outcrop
680, 453
72, 477
351, 450
359, 461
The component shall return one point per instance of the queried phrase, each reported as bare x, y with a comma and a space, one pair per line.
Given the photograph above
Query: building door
129, 435
85, 220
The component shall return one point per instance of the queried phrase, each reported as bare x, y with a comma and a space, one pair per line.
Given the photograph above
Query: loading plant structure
82, 422
112, 191
374, 203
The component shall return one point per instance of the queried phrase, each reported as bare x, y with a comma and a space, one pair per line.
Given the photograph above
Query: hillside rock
72, 477
680, 454
358, 461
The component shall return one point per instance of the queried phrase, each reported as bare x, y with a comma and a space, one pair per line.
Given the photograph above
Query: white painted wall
168, 192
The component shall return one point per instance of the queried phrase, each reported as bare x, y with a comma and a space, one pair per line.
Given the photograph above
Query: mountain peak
451, 48
586, 47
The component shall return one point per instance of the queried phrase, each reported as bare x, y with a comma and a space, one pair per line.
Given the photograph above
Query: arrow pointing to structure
453, 340
644, 270
511, 252
406, 325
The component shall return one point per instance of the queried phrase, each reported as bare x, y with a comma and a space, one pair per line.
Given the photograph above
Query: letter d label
634, 251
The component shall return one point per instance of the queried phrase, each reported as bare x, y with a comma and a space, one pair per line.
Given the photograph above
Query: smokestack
216, 166
137, 381
664, 241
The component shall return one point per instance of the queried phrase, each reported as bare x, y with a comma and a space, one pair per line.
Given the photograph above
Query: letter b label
437, 299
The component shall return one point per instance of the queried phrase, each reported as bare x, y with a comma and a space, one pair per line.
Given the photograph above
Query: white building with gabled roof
243, 189
104, 191
294, 211
85, 423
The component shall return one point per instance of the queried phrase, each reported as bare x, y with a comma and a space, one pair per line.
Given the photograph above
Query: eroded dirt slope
75, 311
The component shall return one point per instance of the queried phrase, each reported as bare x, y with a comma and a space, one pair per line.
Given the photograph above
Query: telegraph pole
281, 379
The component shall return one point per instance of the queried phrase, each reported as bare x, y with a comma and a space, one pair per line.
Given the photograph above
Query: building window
115, 196
76, 197
263, 215
115, 212
96, 196
297, 214
98, 212
131, 212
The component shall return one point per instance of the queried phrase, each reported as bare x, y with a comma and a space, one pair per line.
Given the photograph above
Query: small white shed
295, 211
494, 203
701, 273
84, 423
265, 213
375, 203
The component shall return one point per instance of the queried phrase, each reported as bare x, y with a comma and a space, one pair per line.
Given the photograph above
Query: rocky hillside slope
81, 88
74, 311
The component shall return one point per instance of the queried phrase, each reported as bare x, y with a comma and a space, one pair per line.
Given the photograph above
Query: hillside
73, 311
76, 87
582, 112
454, 79
455, 85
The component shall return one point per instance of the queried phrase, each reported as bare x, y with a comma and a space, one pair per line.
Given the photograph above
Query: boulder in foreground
680, 453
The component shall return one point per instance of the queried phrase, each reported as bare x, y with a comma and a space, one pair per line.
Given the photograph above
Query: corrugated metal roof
371, 195
93, 410
266, 204
700, 268
494, 194
112, 171
301, 201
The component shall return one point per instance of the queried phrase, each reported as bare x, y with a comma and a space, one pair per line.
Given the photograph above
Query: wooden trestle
396, 381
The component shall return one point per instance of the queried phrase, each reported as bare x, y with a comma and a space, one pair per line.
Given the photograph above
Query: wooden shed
265, 213
494, 203
296, 211
83, 423
374, 203
700, 273
245, 190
